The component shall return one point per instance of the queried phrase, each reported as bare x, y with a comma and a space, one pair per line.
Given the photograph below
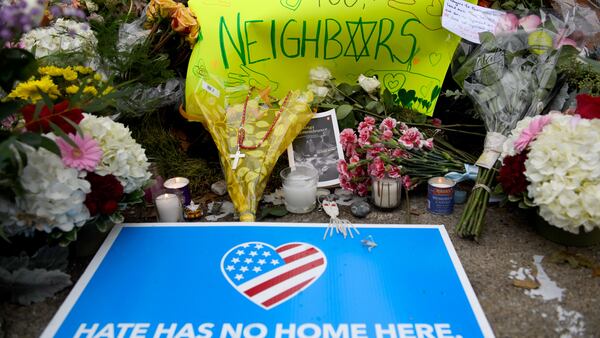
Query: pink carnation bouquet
395, 150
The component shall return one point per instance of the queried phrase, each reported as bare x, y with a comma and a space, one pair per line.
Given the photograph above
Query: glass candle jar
386, 193
300, 188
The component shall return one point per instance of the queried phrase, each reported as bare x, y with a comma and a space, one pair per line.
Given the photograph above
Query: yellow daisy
67, 73
72, 89
30, 90
90, 90
83, 70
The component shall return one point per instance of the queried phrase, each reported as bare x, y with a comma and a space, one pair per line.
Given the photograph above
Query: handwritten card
467, 20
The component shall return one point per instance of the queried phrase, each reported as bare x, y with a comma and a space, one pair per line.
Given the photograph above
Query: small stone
360, 209
219, 188
328, 197
322, 192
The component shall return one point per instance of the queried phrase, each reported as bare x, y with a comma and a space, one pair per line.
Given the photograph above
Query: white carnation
122, 156
64, 36
563, 168
369, 84
53, 195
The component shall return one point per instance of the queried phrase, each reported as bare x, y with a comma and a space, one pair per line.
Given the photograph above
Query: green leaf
47, 100
50, 145
117, 218
74, 125
343, 111
133, 197
71, 235
346, 89
348, 122
62, 134
104, 225
38, 109
388, 99
372, 106
32, 139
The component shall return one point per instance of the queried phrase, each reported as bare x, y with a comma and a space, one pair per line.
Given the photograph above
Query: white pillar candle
168, 207
300, 189
386, 192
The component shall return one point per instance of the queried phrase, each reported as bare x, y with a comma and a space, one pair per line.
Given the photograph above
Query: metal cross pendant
236, 158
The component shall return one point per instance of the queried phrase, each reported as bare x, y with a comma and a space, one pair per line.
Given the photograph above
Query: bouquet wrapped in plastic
512, 75
250, 136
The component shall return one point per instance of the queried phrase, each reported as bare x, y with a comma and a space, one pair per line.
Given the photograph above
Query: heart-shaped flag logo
269, 276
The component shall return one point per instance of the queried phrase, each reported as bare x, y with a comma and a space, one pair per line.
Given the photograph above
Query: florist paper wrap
274, 43
247, 182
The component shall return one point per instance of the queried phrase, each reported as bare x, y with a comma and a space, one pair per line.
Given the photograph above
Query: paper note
467, 20
275, 43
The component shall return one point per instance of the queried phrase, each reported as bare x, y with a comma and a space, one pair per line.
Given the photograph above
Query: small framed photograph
319, 145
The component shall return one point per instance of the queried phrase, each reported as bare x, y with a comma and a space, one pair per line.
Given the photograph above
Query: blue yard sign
266, 280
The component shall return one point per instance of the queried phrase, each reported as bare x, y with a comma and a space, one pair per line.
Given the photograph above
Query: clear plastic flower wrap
144, 99
512, 75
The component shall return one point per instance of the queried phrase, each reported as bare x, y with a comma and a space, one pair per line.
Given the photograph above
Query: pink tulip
508, 23
530, 23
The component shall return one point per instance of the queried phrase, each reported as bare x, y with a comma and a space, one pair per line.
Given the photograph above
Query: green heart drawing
435, 9
393, 82
406, 97
393, 3
425, 90
435, 58
291, 4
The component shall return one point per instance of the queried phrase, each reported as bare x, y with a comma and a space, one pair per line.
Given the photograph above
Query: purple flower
16, 19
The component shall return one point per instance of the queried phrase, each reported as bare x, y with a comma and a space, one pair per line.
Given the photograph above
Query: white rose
320, 75
319, 91
369, 84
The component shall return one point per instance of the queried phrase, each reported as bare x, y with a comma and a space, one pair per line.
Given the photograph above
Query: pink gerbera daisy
85, 156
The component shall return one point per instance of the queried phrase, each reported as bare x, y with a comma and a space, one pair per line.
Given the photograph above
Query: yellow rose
184, 22
193, 36
160, 9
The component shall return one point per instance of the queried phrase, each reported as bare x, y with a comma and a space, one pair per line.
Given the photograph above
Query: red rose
58, 116
512, 174
588, 107
109, 207
106, 193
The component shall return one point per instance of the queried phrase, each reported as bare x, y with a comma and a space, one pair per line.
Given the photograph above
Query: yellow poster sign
274, 43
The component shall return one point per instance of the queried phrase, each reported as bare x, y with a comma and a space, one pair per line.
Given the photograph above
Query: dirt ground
566, 305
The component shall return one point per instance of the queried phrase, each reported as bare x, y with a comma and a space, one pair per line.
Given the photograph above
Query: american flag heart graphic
269, 276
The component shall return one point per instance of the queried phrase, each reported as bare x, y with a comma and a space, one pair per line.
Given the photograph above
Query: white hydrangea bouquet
552, 162
64, 36
94, 171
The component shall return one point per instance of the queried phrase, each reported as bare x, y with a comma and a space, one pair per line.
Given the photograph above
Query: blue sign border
64, 310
